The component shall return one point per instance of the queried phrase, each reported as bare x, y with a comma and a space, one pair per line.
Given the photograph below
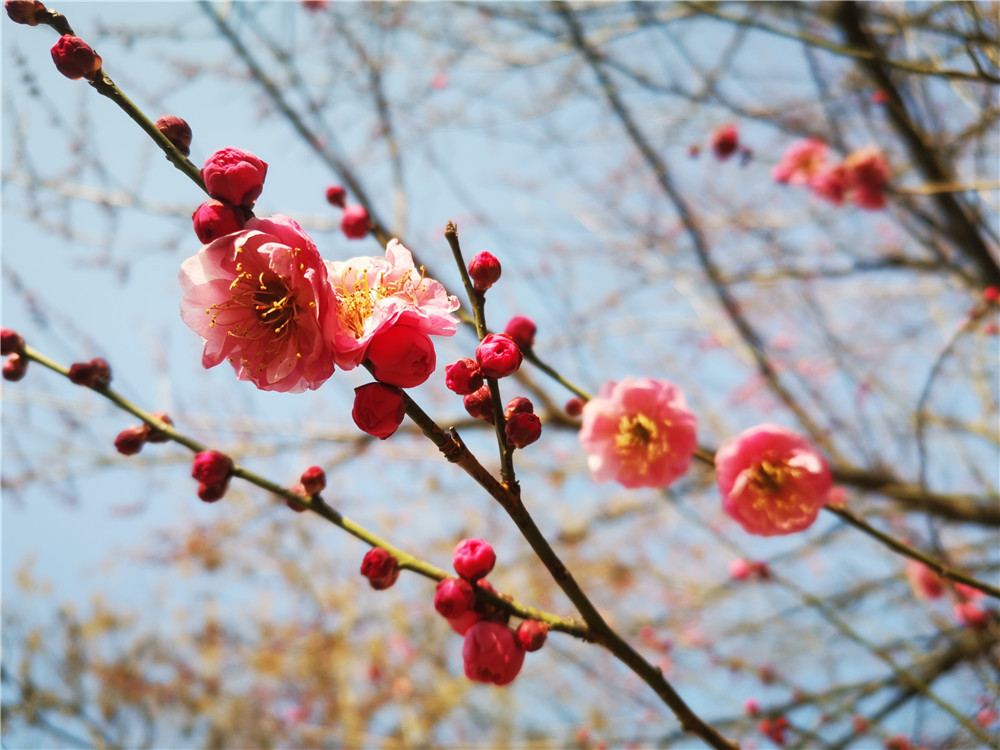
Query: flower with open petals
772, 480
377, 293
801, 162
638, 432
260, 298
870, 175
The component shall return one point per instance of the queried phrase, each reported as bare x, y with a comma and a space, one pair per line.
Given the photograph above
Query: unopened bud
15, 367
522, 329
354, 222
336, 195
75, 59
24, 11
215, 218
93, 374
155, 435
574, 407
131, 439
498, 355
463, 376
484, 271
11, 342
454, 597
473, 558
517, 405
211, 467
209, 493
531, 634
479, 404
177, 131
313, 480
380, 568
295, 505
522, 429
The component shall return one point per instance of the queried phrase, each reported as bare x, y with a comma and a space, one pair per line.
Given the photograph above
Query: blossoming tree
726, 379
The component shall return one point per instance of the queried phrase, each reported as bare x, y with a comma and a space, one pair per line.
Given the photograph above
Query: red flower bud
454, 597
354, 222
523, 428
531, 634
11, 342
211, 467
491, 653
484, 271
294, 504
479, 403
93, 374
463, 376
15, 367
209, 493
24, 11
155, 436
378, 409
131, 439
498, 355
313, 480
234, 176
402, 356
522, 330
725, 141
177, 132
991, 294
380, 568
74, 58
574, 407
474, 558
336, 195
517, 405
214, 219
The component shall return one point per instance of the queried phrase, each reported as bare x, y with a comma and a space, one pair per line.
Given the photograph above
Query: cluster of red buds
233, 178
311, 483
492, 652
213, 470
354, 219
93, 374
12, 347
130, 440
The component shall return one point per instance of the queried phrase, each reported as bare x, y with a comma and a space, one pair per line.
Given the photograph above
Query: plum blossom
638, 432
375, 294
869, 175
801, 162
772, 480
260, 299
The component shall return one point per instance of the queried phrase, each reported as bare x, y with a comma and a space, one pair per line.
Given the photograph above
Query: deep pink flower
491, 653
463, 376
354, 222
402, 356
638, 432
380, 567
869, 175
801, 162
522, 329
235, 176
260, 299
498, 356
377, 293
971, 615
378, 409
74, 58
772, 480
484, 270
531, 634
177, 131
474, 558
725, 141
453, 598
214, 219
832, 183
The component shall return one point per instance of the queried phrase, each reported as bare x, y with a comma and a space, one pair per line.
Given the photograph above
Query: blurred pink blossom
801, 162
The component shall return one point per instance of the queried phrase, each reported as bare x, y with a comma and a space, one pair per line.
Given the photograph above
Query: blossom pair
264, 299
862, 176
641, 433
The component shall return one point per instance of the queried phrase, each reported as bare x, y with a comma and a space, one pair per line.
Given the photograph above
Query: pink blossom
772, 480
491, 653
869, 175
831, 184
638, 432
377, 293
801, 162
260, 299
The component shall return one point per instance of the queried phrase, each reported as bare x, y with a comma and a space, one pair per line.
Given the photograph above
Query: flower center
635, 431
357, 306
768, 477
